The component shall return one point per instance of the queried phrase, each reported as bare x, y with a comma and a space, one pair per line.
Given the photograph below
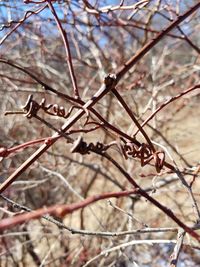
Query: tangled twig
32, 107
144, 153
83, 147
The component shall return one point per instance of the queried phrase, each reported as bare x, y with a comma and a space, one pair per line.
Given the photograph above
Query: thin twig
27, 15
88, 232
60, 210
146, 48
109, 82
169, 101
67, 49
177, 248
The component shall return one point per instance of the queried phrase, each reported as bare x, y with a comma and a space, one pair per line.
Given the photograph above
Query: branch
167, 103
5, 152
108, 84
153, 201
177, 248
71, 99
60, 210
88, 232
146, 48
67, 49
26, 16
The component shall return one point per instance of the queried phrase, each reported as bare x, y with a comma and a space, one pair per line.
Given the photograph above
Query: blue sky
18, 8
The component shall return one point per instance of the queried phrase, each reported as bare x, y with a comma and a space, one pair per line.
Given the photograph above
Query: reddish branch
153, 201
5, 152
71, 99
108, 84
131, 115
60, 210
67, 49
167, 103
146, 48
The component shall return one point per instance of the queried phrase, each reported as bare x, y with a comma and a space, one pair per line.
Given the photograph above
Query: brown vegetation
99, 133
